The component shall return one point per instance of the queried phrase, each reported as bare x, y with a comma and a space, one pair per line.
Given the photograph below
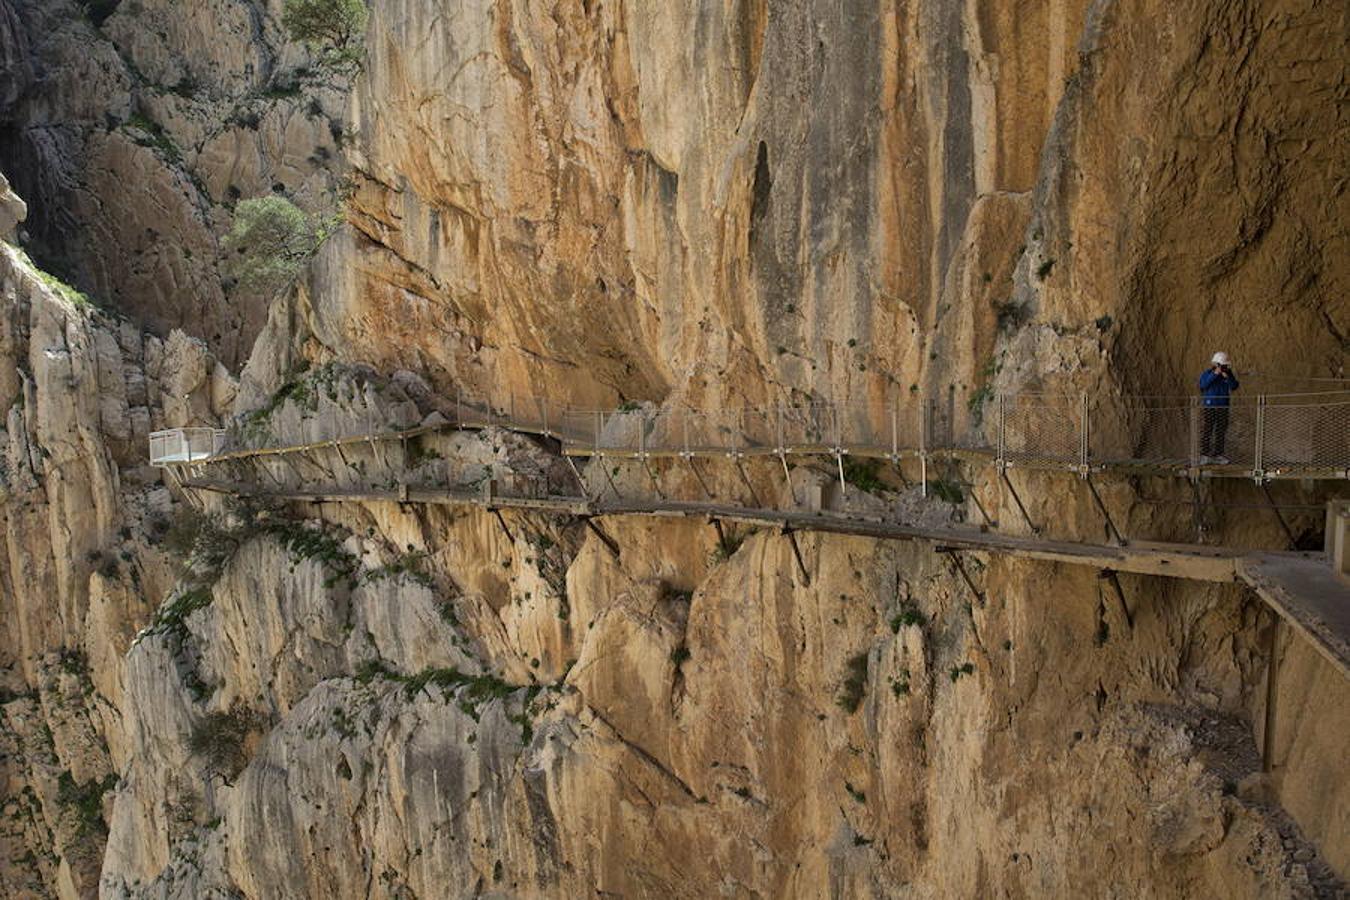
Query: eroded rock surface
685, 202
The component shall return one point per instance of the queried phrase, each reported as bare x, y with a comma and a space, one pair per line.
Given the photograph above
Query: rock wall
196, 105
83, 518
711, 204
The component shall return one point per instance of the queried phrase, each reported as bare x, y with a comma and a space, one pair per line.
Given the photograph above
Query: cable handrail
1262, 435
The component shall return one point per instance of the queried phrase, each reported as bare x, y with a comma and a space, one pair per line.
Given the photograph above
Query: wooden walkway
1300, 587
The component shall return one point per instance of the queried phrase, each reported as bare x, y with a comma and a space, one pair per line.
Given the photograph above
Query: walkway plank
1309, 596
1300, 587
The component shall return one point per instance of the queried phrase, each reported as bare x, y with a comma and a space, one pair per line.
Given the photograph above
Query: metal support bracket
1272, 694
899, 470
689, 457
605, 539
656, 485
954, 554
791, 535
1198, 511
581, 482
609, 477
1110, 524
1111, 576
502, 522
787, 475
716, 523
754, 495
1035, 529
1288, 532
989, 522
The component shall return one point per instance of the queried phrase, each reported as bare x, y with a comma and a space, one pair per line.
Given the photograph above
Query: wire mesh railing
1264, 436
1300, 435
185, 445
1039, 431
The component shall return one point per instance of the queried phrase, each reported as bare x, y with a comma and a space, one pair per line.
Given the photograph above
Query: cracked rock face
686, 202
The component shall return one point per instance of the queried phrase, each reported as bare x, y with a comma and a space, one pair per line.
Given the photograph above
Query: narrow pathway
1300, 587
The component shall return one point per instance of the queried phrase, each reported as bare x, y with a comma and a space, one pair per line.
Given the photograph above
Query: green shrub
172, 615
947, 491
407, 566
908, 615
71, 295
202, 540
985, 393
727, 548
1011, 315
270, 243
863, 474
855, 683
85, 800
472, 691
219, 738
303, 542
335, 28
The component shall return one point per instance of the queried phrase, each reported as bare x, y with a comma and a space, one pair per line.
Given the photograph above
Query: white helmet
1220, 359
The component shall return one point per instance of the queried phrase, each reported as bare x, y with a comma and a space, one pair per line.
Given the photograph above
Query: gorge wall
710, 204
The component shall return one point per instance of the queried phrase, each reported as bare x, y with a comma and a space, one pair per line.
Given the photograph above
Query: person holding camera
1216, 383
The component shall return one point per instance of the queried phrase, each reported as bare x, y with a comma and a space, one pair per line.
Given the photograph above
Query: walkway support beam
1272, 695
1106, 513
791, 535
1035, 529
599, 532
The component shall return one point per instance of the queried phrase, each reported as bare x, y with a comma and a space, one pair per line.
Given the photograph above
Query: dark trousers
1213, 430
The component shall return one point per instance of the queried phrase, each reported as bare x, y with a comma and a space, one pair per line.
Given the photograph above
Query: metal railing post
951, 416
1193, 450
895, 430
642, 435
1258, 465
543, 407
923, 447
778, 430
599, 424
1083, 439
1002, 457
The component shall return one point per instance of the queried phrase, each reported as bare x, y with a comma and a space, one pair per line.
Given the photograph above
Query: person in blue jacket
1216, 383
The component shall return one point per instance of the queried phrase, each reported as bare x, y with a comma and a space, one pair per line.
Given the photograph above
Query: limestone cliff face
83, 516
701, 203
685, 202
192, 105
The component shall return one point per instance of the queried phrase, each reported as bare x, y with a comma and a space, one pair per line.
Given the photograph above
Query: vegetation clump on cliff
221, 737
855, 684
271, 242
335, 28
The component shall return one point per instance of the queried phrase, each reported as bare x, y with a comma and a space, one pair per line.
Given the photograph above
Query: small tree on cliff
271, 242
333, 27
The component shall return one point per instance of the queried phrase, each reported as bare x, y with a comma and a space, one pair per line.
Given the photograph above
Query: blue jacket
1215, 388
